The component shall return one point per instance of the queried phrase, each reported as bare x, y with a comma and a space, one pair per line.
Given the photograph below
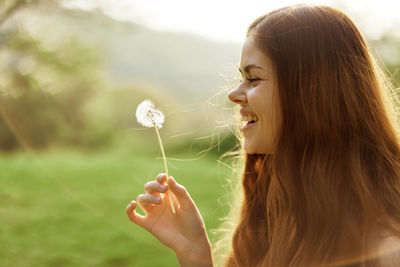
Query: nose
237, 96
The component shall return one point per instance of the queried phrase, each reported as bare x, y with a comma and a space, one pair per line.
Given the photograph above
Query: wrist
196, 256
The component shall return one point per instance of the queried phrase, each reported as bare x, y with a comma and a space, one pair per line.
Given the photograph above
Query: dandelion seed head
148, 115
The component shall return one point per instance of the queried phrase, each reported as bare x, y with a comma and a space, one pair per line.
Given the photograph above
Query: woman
321, 179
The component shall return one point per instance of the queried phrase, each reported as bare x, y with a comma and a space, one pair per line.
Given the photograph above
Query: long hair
333, 180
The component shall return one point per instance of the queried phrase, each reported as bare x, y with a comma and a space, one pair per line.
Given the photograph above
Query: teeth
249, 118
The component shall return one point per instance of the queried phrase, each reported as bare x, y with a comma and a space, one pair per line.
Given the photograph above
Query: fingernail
158, 199
163, 187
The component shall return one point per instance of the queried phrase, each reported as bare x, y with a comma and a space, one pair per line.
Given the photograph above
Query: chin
252, 149
249, 149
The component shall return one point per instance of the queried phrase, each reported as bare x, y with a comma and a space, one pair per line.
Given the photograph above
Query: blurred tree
42, 89
9, 7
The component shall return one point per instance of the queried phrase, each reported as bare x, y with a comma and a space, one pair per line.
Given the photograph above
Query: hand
183, 232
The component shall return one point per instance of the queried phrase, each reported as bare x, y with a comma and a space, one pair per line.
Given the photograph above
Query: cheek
258, 100
265, 109
269, 121
267, 134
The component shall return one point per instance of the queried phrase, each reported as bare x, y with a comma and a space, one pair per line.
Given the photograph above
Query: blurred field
68, 208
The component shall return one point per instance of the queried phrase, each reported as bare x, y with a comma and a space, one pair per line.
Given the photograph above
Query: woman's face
256, 95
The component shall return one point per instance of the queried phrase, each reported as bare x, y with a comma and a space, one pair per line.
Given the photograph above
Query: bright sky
227, 20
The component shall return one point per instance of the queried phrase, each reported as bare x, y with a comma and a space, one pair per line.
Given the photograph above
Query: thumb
182, 195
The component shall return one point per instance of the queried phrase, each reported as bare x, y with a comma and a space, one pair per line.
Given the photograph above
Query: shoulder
389, 252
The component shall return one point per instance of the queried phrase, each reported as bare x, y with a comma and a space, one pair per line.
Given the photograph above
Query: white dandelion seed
149, 116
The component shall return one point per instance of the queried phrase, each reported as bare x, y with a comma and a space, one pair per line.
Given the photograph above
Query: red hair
333, 181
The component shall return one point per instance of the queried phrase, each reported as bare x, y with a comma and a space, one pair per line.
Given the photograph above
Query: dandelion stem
165, 165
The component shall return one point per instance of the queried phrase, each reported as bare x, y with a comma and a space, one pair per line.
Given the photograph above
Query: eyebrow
248, 67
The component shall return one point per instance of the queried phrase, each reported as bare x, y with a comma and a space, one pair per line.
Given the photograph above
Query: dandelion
149, 116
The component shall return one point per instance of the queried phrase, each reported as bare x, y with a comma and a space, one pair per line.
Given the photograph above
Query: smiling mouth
251, 122
249, 119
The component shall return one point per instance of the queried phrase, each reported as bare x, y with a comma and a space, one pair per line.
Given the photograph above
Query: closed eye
251, 80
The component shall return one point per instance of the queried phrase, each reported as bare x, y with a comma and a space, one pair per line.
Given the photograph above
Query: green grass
68, 208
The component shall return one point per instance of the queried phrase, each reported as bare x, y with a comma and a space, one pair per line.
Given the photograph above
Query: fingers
155, 188
182, 195
147, 201
132, 215
161, 178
